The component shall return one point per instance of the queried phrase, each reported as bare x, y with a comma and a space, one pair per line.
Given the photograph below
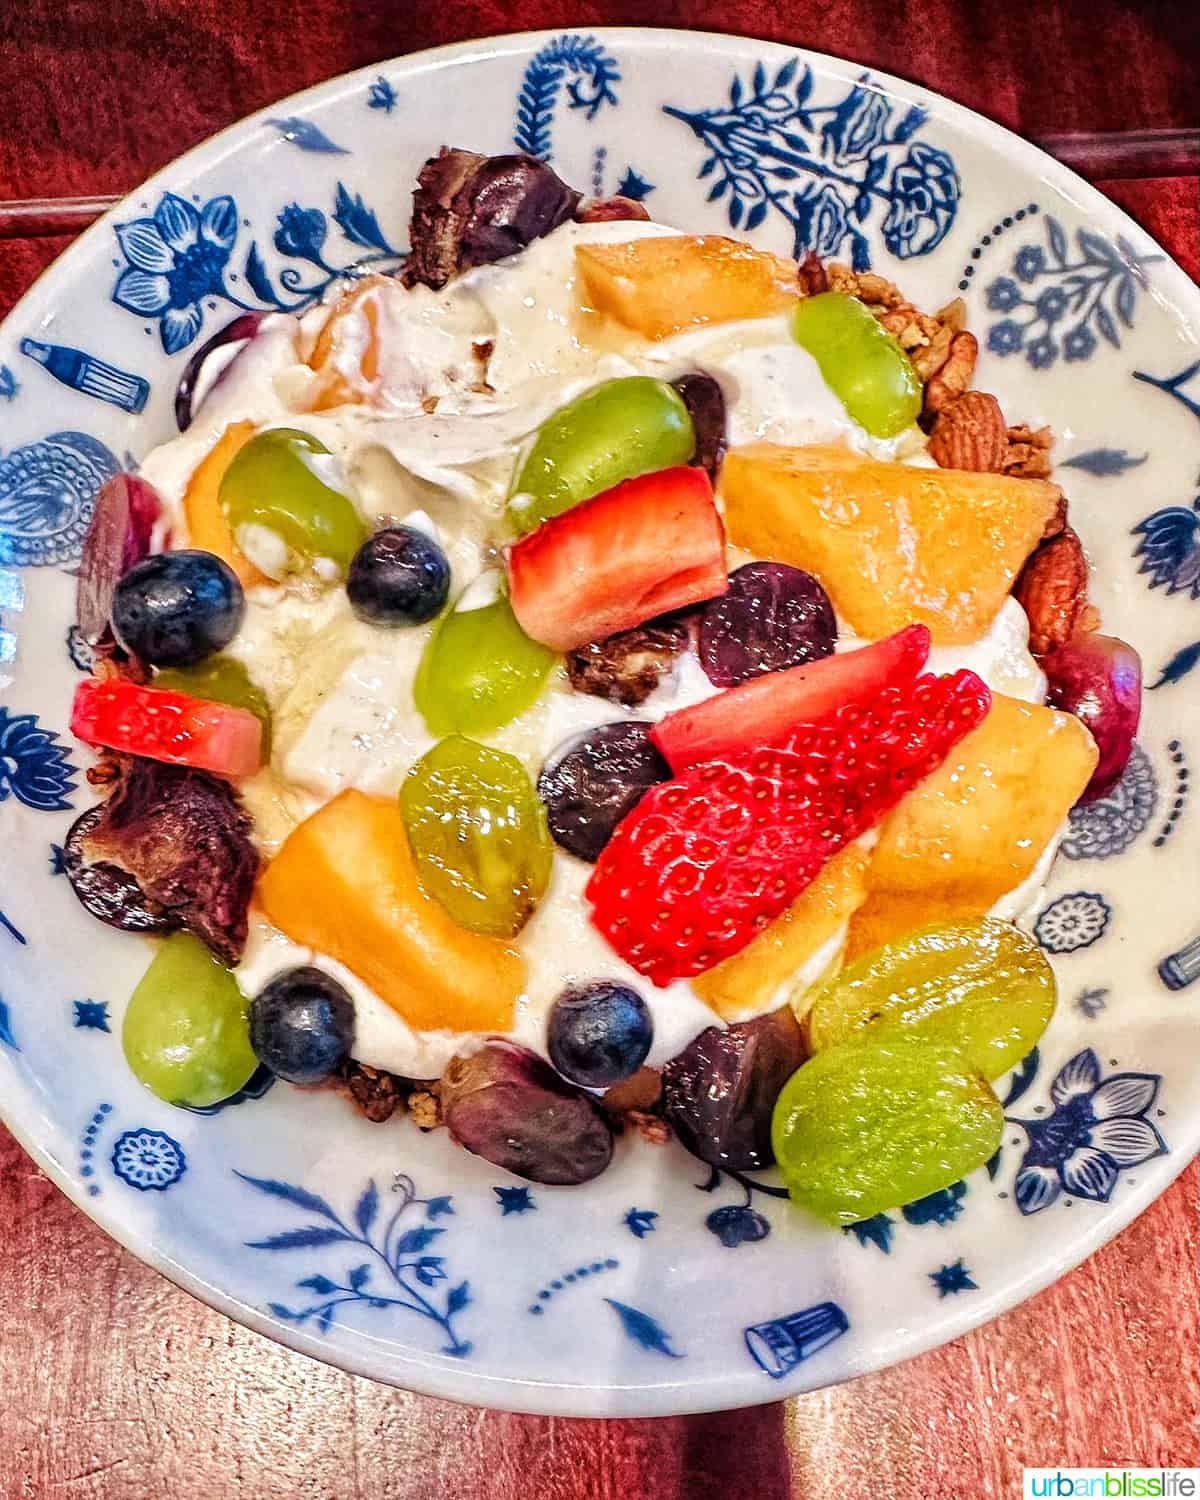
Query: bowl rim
420, 1371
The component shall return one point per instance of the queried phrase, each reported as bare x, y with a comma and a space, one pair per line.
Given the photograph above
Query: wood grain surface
115, 1385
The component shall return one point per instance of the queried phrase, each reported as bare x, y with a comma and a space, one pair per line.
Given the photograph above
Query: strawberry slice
163, 725
646, 546
704, 862
765, 709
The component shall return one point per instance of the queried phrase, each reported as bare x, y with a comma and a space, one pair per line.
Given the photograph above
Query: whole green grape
221, 679
981, 985
276, 481
860, 362
879, 1121
614, 431
186, 1033
479, 670
478, 834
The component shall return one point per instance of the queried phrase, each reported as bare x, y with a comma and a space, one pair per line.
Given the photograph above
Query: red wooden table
113, 1383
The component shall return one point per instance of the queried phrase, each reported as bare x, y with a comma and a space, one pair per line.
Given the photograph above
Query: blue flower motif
1051, 304
634, 186
92, 1015
1042, 353
955, 1278
1004, 294
301, 232
33, 765
1071, 922
514, 1200
1030, 262
924, 192
736, 1225
381, 95
941, 1207
148, 1160
1005, 337
640, 1222
1097, 1129
877, 1230
856, 126
1100, 829
820, 219
1079, 342
175, 260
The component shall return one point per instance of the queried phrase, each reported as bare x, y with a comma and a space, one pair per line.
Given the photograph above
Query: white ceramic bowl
639, 1293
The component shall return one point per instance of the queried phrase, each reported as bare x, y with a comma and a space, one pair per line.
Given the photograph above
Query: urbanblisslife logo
1120, 1484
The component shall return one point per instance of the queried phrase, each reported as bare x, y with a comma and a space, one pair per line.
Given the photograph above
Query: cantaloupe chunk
749, 981
344, 883
890, 914
661, 285
207, 527
346, 352
975, 828
891, 543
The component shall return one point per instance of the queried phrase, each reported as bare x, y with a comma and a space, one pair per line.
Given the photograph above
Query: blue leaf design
436, 1207
877, 1230
416, 1240
6, 1035
280, 1311
301, 1197
306, 135
359, 1277
299, 1239
1022, 1078
910, 123
1104, 462
642, 1329
458, 1298
786, 74
760, 79
1096, 248
319, 1284
366, 1208
256, 275
1105, 323
709, 164
357, 222
1126, 296
1179, 666
1058, 240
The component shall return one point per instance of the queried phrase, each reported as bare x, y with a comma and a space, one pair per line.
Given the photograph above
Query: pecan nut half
1052, 589
970, 433
953, 376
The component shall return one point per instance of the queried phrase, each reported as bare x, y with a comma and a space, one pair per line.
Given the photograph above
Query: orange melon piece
975, 828
207, 527
891, 543
348, 344
748, 982
344, 883
661, 285
890, 914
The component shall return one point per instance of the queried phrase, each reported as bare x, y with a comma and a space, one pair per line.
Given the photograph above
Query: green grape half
478, 834
221, 679
860, 361
479, 670
277, 480
614, 431
880, 1121
981, 985
186, 1035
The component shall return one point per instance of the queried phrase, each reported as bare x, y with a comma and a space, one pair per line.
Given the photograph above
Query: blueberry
176, 608
302, 1025
599, 1033
398, 577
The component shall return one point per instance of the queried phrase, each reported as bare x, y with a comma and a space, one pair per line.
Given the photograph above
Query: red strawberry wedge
646, 546
765, 709
164, 725
704, 862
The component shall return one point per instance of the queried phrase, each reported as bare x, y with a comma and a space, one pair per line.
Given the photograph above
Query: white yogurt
464, 376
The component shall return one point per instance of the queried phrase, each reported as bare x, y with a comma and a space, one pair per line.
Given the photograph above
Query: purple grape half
506, 1104
598, 780
240, 331
720, 1092
774, 616
705, 402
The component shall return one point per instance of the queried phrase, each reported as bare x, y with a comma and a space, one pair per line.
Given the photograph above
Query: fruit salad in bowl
598, 679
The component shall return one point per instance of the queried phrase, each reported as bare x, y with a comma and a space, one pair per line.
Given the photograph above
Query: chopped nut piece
1052, 589
954, 376
650, 1127
424, 1109
1028, 455
372, 1091
970, 433
641, 1091
627, 667
811, 275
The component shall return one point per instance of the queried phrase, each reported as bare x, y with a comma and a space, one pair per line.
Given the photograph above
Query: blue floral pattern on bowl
612, 1298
